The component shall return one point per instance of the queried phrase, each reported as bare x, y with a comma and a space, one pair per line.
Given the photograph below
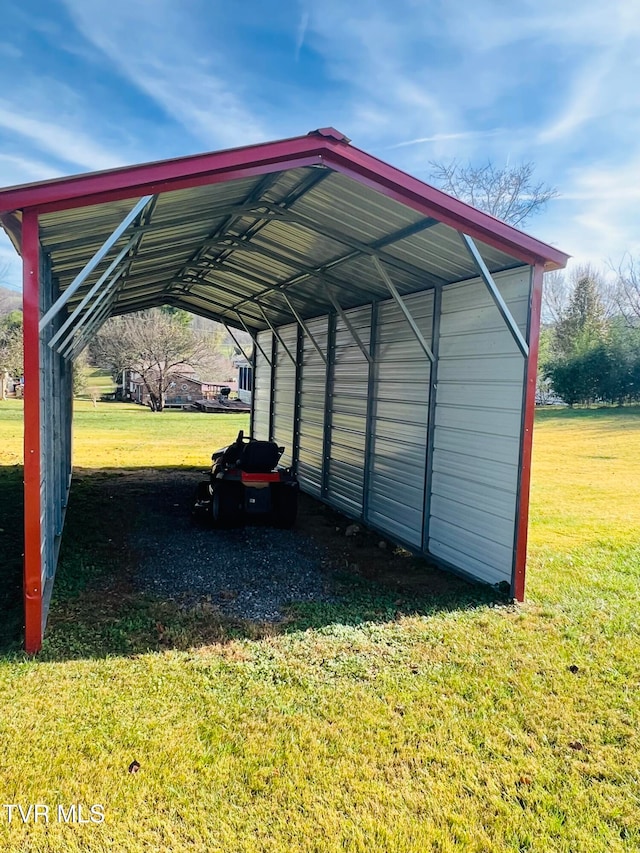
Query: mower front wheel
201, 503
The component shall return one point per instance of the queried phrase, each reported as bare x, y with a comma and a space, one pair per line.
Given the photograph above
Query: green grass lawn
388, 722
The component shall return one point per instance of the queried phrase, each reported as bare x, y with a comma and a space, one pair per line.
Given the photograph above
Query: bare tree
559, 286
510, 194
627, 289
11, 348
555, 296
154, 344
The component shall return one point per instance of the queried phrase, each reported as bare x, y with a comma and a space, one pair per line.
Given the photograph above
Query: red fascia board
170, 185
450, 211
320, 147
143, 178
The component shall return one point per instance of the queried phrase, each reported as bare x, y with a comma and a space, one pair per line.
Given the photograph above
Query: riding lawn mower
245, 483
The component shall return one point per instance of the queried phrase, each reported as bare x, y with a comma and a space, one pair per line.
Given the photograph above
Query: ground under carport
256, 577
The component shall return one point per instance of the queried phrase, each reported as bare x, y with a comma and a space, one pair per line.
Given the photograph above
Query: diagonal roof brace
400, 302
254, 336
486, 276
92, 311
237, 342
304, 328
277, 334
79, 342
75, 314
348, 323
111, 240
118, 270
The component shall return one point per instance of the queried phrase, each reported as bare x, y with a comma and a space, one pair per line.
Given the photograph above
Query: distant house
245, 379
183, 391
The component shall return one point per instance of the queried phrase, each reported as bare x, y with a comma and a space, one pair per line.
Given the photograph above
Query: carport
395, 328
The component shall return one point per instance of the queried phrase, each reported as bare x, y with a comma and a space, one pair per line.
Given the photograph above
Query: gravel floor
251, 573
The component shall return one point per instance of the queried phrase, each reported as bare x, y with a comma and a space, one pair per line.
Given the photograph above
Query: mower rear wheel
226, 505
284, 500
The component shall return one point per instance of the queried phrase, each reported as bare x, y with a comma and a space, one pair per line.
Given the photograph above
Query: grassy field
391, 721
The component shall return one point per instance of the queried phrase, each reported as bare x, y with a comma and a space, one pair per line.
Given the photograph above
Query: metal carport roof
253, 237
228, 234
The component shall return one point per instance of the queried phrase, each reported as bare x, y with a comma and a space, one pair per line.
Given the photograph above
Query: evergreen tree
583, 324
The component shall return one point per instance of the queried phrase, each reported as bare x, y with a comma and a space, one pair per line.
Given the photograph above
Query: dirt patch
146, 519
371, 554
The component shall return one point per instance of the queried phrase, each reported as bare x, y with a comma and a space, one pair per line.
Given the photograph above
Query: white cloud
302, 30
21, 170
598, 218
445, 137
161, 50
67, 144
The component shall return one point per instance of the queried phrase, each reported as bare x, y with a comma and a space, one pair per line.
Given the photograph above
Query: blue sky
90, 84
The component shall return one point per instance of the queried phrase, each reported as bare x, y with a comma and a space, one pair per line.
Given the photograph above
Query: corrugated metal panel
477, 428
55, 441
210, 247
312, 408
401, 402
284, 391
349, 413
262, 388
339, 201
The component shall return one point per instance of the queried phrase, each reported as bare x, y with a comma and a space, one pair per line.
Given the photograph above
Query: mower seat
259, 457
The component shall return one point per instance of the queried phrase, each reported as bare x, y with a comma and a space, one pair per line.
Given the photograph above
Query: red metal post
527, 436
32, 474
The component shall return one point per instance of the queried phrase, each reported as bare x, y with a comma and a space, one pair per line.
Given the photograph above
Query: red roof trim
326, 146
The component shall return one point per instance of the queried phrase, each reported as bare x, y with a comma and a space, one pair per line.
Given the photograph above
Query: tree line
590, 340
590, 344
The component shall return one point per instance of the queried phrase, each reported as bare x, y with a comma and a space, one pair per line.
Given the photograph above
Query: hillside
10, 300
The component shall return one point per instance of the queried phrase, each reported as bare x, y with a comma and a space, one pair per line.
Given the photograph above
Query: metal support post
431, 418
372, 394
272, 384
328, 404
252, 414
297, 399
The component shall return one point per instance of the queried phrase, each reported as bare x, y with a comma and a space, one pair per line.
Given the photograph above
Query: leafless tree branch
510, 194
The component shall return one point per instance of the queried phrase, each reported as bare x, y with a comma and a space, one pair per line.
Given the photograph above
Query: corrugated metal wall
363, 431
56, 393
313, 381
350, 372
401, 405
262, 388
477, 428
284, 385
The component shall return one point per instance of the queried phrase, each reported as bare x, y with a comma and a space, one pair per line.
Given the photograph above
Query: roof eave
325, 147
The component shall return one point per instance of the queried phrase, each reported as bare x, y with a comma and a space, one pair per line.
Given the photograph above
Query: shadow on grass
11, 549
98, 610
